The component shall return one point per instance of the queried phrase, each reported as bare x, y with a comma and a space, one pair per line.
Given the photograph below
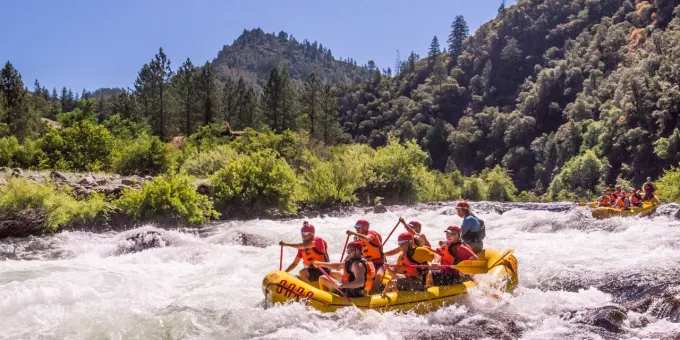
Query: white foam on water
210, 287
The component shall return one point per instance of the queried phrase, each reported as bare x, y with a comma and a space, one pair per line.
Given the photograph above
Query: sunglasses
358, 226
304, 233
403, 242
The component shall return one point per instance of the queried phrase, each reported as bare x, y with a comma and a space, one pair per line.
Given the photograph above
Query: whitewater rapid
206, 283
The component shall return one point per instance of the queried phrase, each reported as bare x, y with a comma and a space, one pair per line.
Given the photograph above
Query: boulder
148, 178
204, 189
58, 176
3, 169
87, 181
677, 214
128, 181
102, 181
16, 172
379, 209
84, 192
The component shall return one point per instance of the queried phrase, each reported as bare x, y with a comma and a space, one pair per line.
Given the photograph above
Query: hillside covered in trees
560, 96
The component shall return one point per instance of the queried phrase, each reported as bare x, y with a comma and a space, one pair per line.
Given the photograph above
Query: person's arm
304, 245
467, 225
366, 238
359, 273
331, 265
395, 251
293, 265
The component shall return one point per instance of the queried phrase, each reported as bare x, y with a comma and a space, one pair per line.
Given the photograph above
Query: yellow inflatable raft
281, 287
647, 208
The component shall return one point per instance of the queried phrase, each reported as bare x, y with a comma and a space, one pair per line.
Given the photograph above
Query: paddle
340, 290
281, 259
344, 248
592, 204
392, 232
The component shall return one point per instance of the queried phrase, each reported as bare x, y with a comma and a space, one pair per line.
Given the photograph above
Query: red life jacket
369, 273
635, 199
448, 254
312, 255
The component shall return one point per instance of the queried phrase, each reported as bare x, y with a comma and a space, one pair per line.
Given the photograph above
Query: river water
579, 278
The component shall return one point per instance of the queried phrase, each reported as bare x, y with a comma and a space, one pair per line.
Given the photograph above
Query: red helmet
415, 224
618, 186
307, 228
453, 229
405, 237
462, 204
355, 245
362, 223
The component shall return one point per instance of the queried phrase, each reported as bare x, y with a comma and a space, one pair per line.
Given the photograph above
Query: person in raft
413, 228
623, 201
606, 199
371, 243
473, 229
617, 193
355, 275
635, 198
452, 252
407, 274
648, 187
312, 249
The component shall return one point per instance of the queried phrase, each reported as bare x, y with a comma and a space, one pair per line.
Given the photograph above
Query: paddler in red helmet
414, 228
354, 276
312, 249
452, 252
372, 248
408, 273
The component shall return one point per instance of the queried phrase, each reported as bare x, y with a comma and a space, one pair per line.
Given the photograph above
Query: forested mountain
254, 53
564, 94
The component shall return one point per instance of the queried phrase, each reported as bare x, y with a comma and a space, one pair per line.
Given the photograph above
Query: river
579, 278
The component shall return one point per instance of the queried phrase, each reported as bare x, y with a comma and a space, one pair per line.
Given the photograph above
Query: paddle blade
472, 267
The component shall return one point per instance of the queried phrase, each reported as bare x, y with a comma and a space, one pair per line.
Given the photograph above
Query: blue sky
91, 44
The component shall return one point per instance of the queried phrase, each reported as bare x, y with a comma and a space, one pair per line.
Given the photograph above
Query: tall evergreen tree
433, 52
288, 100
208, 88
459, 32
64, 100
271, 99
37, 90
21, 122
185, 83
161, 74
329, 109
55, 94
397, 64
310, 102
144, 88
501, 7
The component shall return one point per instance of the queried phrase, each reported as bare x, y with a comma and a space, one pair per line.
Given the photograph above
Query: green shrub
208, 136
52, 144
168, 195
61, 209
474, 189
579, 177
146, 155
256, 181
434, 186
499, 185
31, 156
527, 196
668, 186
9, 147
86, 147
209, 161
288, 144
124, 128
394, 166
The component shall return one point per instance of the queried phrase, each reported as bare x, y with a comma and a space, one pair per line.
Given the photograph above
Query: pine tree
85, 95
397, 64
501, 7
161, 74
272, 99
185, 82
208, 89
412, 62
229, 102
21, 121
55, 94
433, 53
329, 107
288, 100
459, 32
37, 90
71, 100
64, 100
310, 99
144, 88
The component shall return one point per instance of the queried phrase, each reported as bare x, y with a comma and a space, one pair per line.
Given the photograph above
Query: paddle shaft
392, 232
281, 259
344, 248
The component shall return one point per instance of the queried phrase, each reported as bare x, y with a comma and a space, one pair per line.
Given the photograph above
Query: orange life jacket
312, 255
605, 202
405, 261
369, 273
373, 251
635, 199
